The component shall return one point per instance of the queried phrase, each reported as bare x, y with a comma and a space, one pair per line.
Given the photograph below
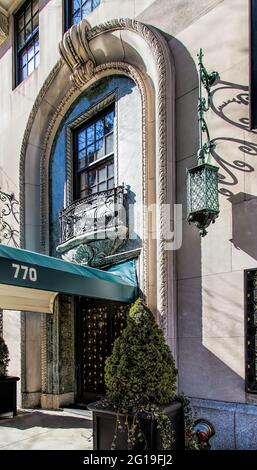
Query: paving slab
47, 430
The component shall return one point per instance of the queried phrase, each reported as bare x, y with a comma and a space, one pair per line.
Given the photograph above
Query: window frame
18, 52
97, 163
67, 11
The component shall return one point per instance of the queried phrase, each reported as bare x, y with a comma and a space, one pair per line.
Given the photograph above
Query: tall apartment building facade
99, 104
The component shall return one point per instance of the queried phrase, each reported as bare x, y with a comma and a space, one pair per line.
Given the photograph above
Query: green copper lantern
202, 196
202, 180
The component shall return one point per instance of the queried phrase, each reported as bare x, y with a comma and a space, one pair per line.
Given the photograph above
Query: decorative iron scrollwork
207, 80
9, 219
94, 214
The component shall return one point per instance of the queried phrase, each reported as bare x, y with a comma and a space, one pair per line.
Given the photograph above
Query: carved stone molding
75, 51
24, 145
4, 27
154, 39
100, 71
79, 55
156, 43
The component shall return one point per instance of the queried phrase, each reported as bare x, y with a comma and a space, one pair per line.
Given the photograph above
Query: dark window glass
27, 40
94, 155
76, 10
251, 331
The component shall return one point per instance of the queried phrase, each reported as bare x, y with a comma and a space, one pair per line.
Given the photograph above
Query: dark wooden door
98, 324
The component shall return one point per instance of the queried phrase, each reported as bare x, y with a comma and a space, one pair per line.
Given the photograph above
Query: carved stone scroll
75, 51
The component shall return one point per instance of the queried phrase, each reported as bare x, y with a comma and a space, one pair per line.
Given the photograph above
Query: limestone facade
197, 291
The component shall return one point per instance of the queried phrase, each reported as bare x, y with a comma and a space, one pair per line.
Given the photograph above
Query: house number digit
33, 274
24, 272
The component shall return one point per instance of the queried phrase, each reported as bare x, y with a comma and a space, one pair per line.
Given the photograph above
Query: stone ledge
31, 400
235, 423
54, 401
213, 404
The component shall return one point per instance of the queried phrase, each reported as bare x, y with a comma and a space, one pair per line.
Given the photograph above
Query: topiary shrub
140, 375
4, 357
141, 370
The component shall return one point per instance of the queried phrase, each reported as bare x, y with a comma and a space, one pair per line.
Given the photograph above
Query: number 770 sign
24, 272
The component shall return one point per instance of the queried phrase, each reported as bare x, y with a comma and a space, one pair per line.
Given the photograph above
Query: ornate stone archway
118, 47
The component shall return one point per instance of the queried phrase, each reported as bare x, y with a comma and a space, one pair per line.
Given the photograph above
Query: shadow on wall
203, 374
237, 96
244, 217
235, 105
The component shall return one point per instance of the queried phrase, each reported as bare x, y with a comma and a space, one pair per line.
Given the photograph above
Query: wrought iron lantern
202, 180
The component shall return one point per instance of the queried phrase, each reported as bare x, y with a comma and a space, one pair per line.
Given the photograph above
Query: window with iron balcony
98, 204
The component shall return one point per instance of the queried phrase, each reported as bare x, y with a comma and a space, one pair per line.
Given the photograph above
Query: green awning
30, 281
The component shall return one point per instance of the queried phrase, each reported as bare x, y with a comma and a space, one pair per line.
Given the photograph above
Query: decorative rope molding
136, 76
100, 71
25, 142
153, 39
24, 146
44, 172
4, 27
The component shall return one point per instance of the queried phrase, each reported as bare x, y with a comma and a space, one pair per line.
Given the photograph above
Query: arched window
91, 161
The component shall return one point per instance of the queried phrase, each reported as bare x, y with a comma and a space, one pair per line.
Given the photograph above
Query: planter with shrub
8, 384
141, 410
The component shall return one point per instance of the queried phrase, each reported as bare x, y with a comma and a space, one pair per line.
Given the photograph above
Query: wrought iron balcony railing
94, 216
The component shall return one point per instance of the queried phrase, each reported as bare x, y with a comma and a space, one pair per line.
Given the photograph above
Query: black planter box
8, 394
104, 424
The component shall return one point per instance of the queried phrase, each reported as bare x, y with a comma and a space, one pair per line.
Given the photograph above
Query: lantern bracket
206, 80
202, 180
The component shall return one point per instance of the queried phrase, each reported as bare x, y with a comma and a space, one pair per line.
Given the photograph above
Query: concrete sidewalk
47, 430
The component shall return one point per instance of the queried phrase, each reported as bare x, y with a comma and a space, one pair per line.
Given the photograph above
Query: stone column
30, 359
58, 376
